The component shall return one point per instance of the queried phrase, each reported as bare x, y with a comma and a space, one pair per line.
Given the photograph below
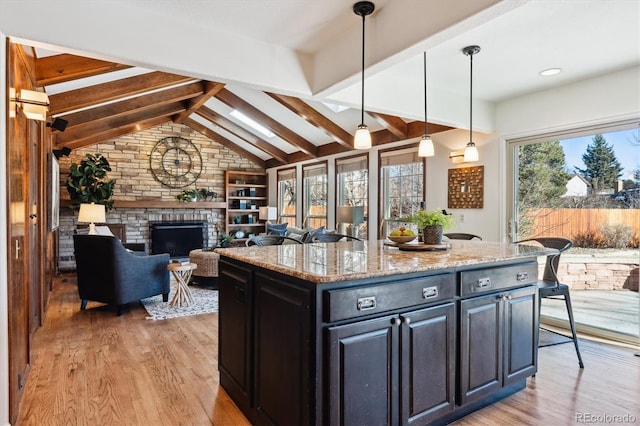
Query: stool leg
567, 301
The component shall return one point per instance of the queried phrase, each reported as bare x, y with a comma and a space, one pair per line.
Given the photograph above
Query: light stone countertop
333, 262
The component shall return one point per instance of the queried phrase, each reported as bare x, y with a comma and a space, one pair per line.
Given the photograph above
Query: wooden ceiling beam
198, 127
283, 132
66, 67
415, 129
210, 88
306, 112
116, 133
243, 134
90, 130
106, 92
394, 124
129, 106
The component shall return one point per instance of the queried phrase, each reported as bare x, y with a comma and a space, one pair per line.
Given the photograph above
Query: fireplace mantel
160, 204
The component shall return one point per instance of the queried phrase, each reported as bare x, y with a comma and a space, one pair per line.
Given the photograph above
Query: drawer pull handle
429, 292
396, 321
366, 303
521, 276
484, 282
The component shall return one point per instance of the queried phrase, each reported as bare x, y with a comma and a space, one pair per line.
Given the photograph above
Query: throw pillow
277, 229
300, 236
313, 232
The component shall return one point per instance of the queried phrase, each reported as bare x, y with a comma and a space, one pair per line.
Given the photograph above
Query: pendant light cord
426, 129
362, 98
470, 97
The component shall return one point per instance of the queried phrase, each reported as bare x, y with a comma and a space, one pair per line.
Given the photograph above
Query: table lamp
268, 214
352, 215
91, 214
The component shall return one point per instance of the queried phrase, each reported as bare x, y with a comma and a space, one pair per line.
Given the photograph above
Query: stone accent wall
129, 160
599, 276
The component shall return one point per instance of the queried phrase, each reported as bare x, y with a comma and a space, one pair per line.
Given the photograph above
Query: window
583, 185
352, 185
401, 185
315, 194
287, 196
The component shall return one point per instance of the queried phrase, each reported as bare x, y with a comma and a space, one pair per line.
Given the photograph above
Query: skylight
334, 107
252, 123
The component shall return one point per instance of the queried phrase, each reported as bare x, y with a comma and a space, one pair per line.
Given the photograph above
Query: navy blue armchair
109, 273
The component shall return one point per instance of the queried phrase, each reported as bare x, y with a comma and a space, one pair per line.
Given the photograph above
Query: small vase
432, 234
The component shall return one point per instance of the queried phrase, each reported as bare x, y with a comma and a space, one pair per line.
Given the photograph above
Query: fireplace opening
177, 238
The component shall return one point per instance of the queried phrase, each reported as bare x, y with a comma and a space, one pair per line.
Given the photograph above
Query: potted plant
194, 194
431, 223
87, 182
224, 239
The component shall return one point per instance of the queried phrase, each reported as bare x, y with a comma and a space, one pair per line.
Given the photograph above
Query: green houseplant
431, 223
194, 194
87, 182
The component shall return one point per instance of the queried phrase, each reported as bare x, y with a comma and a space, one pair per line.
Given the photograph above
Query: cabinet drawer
479, 281
360, 301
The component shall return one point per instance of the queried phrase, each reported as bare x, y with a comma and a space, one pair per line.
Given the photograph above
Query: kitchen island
362, 333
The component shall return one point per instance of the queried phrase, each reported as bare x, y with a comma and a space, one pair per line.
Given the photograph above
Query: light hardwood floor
95, 368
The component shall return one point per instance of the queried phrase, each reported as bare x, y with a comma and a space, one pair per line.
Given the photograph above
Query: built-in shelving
245, 189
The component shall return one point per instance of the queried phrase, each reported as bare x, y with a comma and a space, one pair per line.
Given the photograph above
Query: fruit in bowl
401, 235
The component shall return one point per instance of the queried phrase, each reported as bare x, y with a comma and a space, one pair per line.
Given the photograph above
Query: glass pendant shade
471, 152
425, 149
362, 139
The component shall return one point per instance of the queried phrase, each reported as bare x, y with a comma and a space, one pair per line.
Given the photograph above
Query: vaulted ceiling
107, 110
115, 67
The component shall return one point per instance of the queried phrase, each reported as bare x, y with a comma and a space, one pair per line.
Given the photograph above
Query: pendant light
425, 149
362, 139
470, 151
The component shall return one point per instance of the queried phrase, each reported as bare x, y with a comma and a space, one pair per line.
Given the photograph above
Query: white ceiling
311, 48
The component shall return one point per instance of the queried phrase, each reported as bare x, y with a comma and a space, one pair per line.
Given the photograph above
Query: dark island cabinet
404, 364
409, 349
235, 331
498, 341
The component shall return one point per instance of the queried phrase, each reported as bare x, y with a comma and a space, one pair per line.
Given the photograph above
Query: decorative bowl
401, 238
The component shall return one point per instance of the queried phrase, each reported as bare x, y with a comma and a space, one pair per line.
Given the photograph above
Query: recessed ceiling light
252, 123
550, 71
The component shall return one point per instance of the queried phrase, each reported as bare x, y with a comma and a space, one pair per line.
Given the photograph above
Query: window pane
315, 195
287, 196
353, 188
402, 190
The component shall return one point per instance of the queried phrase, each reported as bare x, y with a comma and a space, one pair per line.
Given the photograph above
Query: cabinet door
521, 334
234, 331
363, 372
427, 376
282, 358
480, 347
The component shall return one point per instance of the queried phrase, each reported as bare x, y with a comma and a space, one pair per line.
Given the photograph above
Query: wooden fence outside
571, 222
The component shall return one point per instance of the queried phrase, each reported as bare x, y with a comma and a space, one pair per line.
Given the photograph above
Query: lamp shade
470, 153
425, 149
362, 139
351, 214
91, 213
268, 213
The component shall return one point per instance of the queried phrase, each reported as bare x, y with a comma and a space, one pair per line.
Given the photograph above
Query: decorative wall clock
175, 162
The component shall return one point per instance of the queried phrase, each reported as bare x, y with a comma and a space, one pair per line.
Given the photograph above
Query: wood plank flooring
95, 368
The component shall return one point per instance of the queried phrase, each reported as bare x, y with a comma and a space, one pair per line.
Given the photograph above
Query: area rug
205, 301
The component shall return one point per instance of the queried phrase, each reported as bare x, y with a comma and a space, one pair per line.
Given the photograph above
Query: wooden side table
182, 274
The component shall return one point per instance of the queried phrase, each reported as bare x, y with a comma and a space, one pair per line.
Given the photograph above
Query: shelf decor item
431, 223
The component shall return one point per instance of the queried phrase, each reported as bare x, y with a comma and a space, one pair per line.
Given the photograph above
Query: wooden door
33, 219
17, 238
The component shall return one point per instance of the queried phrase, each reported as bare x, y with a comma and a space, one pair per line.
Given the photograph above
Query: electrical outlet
461, 218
